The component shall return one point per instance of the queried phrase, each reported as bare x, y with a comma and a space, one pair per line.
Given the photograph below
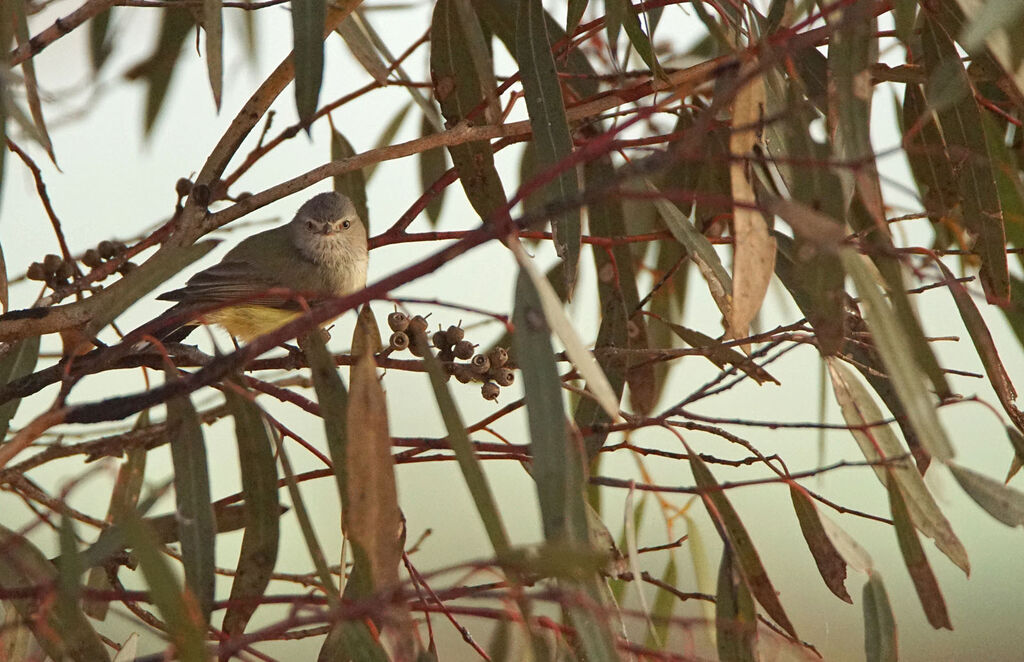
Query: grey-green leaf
308, 18
196, 525
552, 141
18, 360
258, 470
880, 641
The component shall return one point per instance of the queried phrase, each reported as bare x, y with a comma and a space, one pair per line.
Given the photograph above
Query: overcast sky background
114, 183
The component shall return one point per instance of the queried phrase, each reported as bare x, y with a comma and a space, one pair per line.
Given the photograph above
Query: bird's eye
346, 224
310, 225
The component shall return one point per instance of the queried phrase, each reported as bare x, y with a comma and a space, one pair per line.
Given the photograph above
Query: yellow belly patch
248, 322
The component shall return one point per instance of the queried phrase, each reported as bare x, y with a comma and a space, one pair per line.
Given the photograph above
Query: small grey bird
322, 250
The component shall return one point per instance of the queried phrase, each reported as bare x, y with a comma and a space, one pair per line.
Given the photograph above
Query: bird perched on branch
322, 251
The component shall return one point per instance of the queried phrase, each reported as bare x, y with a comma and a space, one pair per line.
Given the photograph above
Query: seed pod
481, 364
418, 324
92, 258
66, 270
183, 187
455, 334
440, 340
119, 247
398, 321
490, 391
106, 249
446, 355
504, 376
52, 263
498, 356
127, 268
417, 344
464, 349
398, 341
463, 373
36, 271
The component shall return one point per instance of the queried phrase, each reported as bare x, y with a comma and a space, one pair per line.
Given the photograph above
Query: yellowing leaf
754, 246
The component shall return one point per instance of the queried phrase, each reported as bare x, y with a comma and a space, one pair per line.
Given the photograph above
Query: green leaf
62, 630
735, 614
18, 360
582, 359
700, 249
258, 469
879, 443
898, 356
992, 16
387, 136
664, 604
736, 538
863, 355
552, 142
428, 107
880, 640
630, 532
721, 355
926, 154
831, 565
852, 51
333, 399
100, 39
615, 283
904, 12
362, 49
917, 563
459, 90
627, 12
985, 346
308, 17
178, 609
196, 527
557, 465
574, 13
968, 153
157, 69
1001, 502
352, 183
432, 166
127, 487
28, 68
499, 17
213, 26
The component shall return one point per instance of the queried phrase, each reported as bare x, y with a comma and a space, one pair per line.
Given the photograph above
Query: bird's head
327, 214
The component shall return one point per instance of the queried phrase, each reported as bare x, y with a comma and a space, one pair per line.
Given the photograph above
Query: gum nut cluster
457, 355
56, 271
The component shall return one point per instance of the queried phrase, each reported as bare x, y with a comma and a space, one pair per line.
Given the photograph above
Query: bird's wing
230, 280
